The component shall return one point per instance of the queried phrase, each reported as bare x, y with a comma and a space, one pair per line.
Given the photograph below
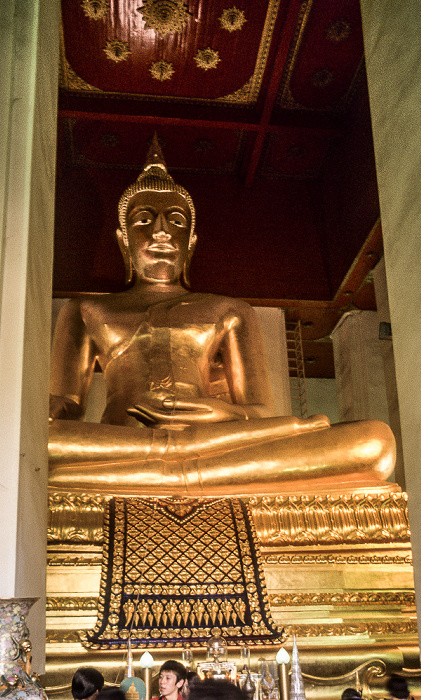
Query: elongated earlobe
124, 250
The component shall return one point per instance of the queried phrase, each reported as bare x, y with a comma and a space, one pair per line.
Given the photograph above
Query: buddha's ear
124, 250
186, 267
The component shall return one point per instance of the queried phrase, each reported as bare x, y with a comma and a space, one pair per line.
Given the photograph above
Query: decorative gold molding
232, 19
347, 519
164, 16
337, 558
280, 521
383, 628
349, 629
82, 560
75, 603
58, 636
355, 598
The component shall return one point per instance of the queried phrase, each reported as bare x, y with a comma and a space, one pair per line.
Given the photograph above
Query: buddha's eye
143, 218
177, 219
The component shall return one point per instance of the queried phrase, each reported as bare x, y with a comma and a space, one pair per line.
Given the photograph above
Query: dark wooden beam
273, 87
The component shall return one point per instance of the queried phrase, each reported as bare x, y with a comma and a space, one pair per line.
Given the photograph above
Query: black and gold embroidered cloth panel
177, 572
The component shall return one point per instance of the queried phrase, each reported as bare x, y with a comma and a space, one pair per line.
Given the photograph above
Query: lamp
283, 659
146, 662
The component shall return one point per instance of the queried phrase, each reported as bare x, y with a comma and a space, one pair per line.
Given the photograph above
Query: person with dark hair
191, 678
212, 689
112, 693
351, 694
172, 676
86, 683
397, 687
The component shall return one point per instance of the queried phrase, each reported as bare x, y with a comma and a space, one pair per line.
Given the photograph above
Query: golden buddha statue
188, 407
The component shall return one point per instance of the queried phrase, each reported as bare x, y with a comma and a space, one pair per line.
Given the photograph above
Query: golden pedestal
338, 572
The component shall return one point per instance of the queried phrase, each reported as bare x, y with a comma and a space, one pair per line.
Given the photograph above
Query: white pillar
272, 323
359, 369
28, 88
382, 302
393, 58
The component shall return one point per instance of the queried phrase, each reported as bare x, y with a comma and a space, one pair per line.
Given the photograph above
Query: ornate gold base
338, 571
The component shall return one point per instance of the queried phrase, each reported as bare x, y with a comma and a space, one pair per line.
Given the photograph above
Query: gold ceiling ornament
161, 70
207, 58
338, 31
117, 50
164, 16
95, 9
232, 19
322, 78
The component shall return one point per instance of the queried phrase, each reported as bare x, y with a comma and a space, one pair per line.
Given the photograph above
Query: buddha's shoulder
222, 304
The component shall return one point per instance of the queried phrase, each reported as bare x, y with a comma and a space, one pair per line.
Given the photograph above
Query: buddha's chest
179, 335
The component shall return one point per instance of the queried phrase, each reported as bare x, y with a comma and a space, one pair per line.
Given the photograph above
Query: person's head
172, 675
397, 687
191, 678
111, 694
211, 689
86, 683
157, 219
351, 694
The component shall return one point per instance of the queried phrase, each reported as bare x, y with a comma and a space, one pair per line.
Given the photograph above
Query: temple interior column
383, 310
359, 369
272, 323
28, 82
393, 58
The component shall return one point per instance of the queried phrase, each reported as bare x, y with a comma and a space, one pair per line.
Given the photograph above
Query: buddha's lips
163, 247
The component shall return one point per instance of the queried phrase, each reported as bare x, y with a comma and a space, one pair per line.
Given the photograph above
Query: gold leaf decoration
207, 58
232, 19
95, 9
338, 31
161, 70
322, 78
164, 16
116, 50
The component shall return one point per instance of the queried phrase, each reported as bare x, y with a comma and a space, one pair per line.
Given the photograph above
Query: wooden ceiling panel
124, 145
294, 152
324, 57
116, 52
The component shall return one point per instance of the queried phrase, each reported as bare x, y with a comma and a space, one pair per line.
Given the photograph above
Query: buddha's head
157, 221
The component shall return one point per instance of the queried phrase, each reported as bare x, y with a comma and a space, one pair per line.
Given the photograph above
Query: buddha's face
158, 228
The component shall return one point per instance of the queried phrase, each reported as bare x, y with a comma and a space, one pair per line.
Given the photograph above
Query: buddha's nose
160, 230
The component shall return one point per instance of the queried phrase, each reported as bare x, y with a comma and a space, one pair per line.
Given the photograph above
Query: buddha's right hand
179, 411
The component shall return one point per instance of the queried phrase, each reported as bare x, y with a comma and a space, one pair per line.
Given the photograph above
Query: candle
283, 659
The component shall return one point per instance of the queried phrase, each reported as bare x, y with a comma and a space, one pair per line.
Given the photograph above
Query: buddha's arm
72, 363
244, 360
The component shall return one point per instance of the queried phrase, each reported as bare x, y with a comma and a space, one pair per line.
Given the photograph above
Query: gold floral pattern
95, 9
161, 70
207, 58
232, 19
117, 50
164, 16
